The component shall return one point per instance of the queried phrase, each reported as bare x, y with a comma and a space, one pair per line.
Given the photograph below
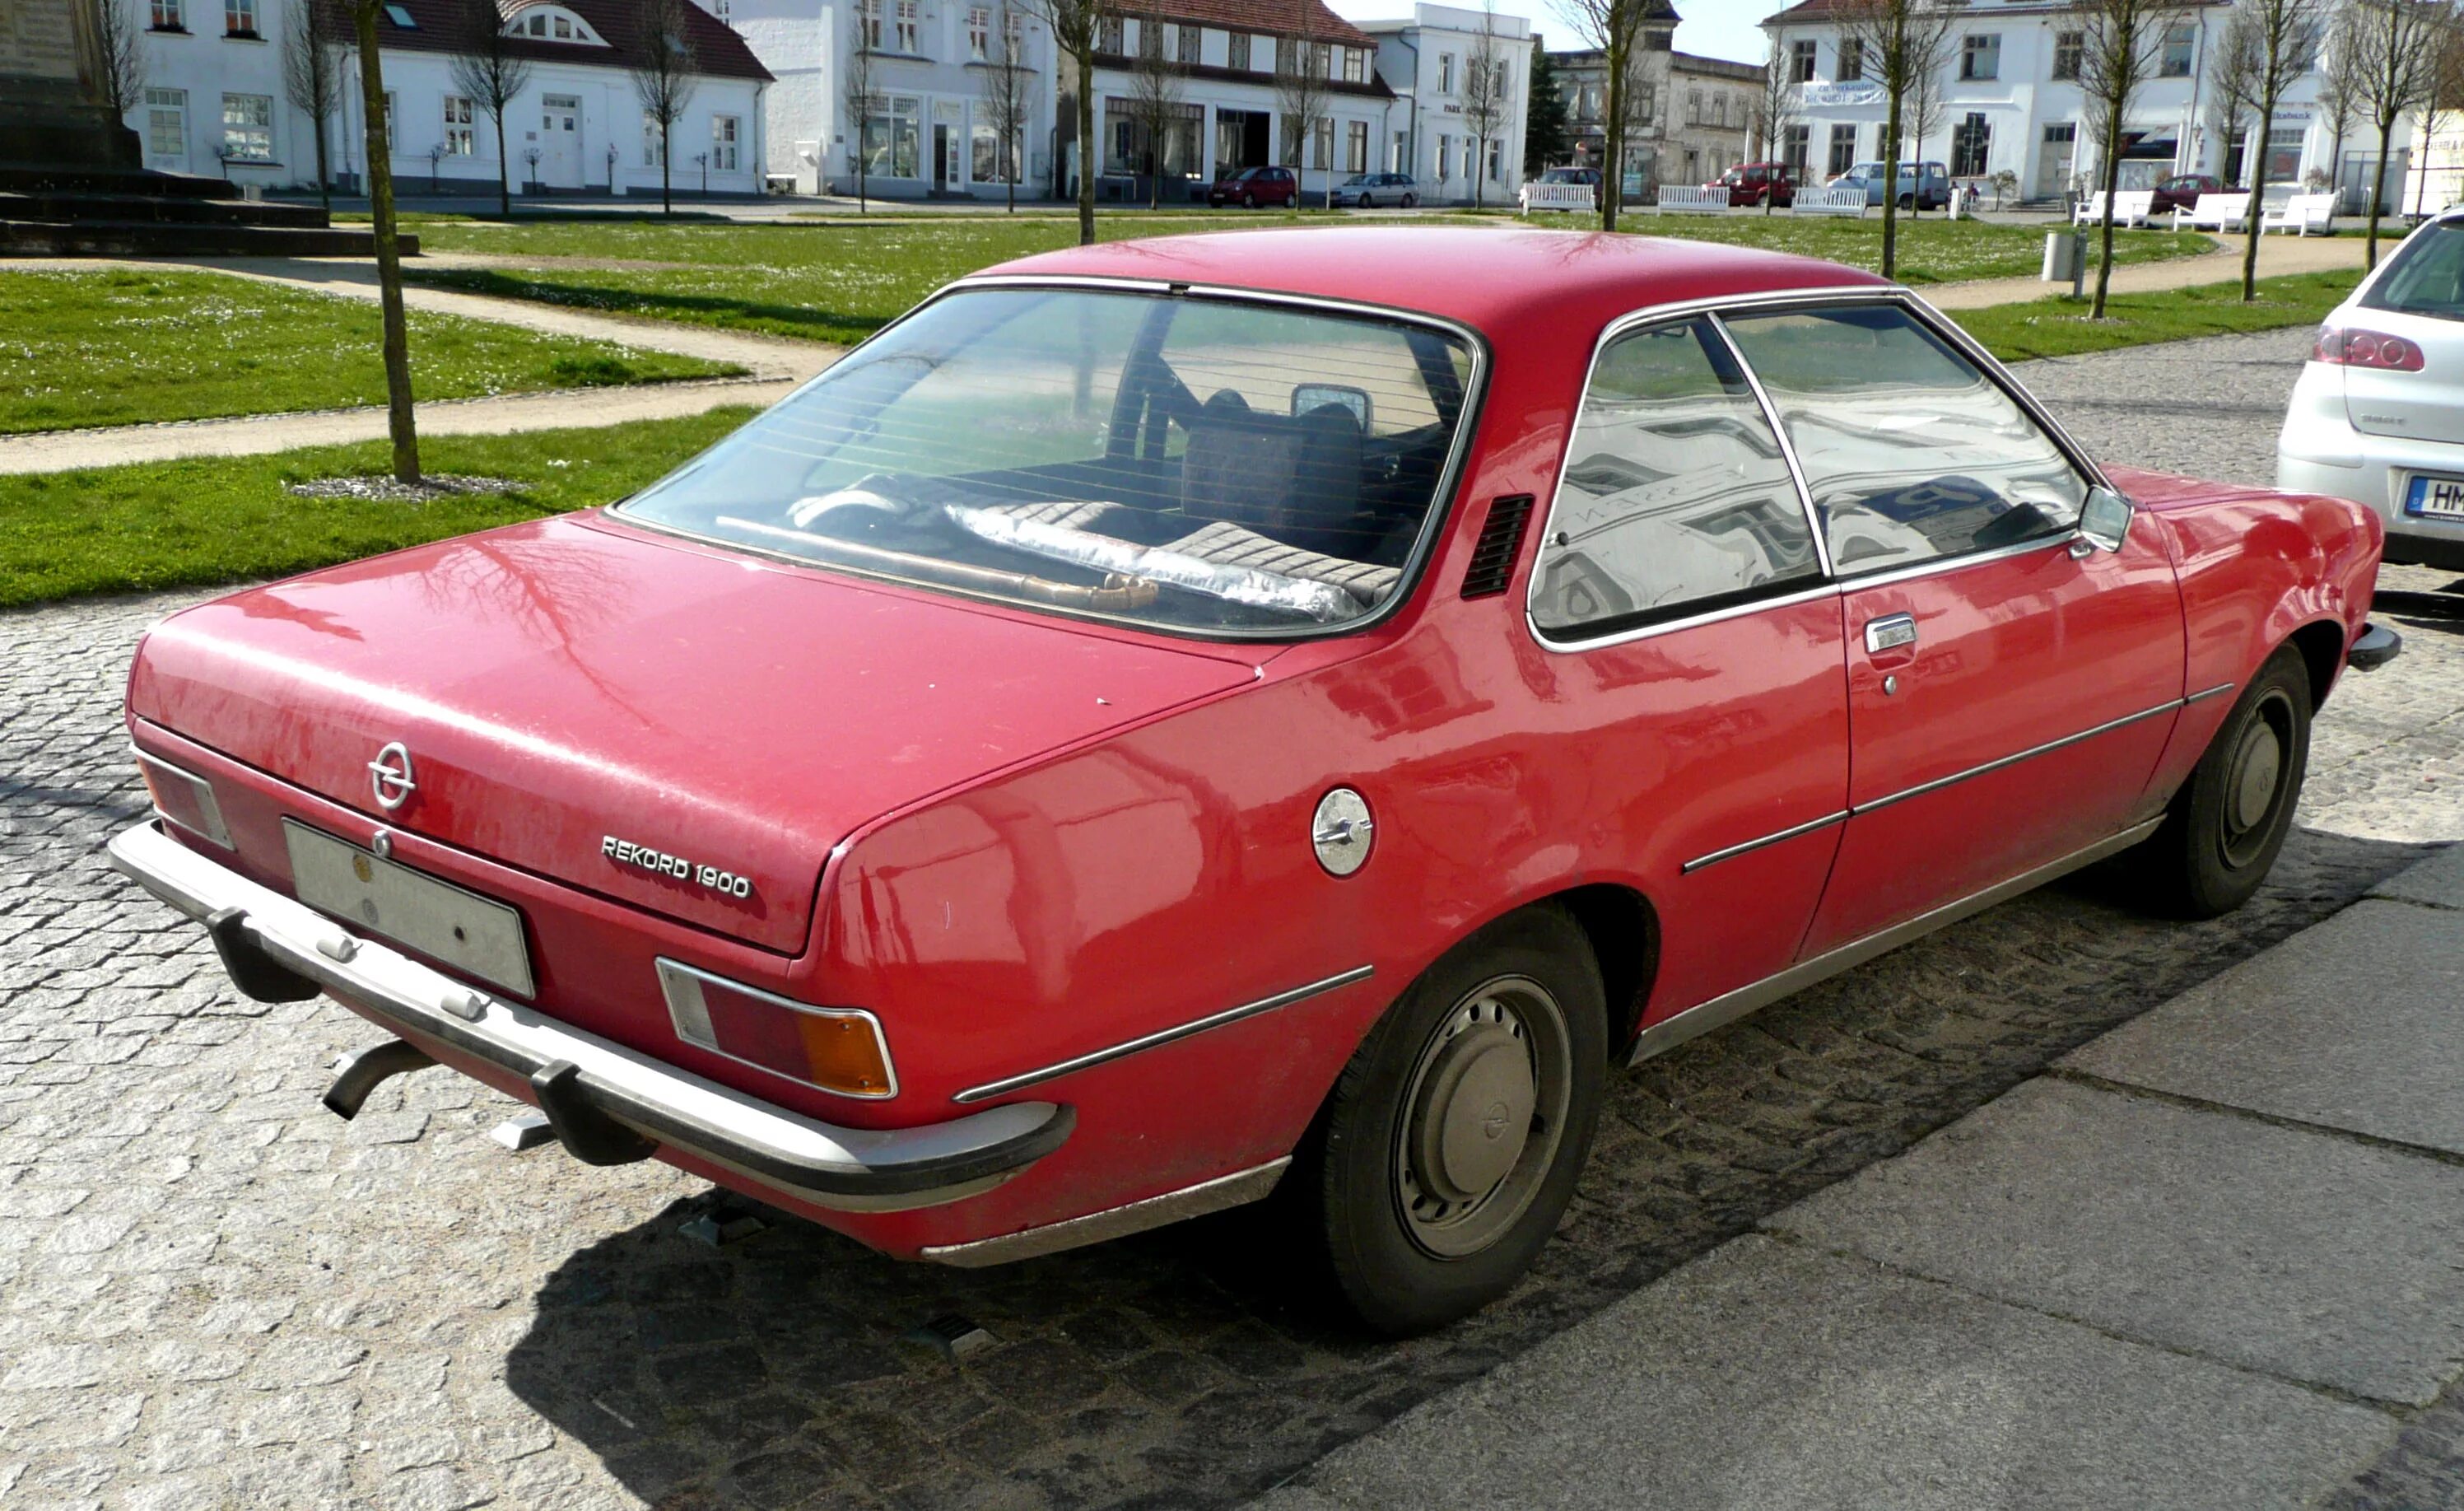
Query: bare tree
1775, 107
1616, 28
119, 54
1154, 101
316, 53
2393, 65
2235, 64
2268, 44
1901, 44
856, 93
1077, 27
2121, 43
397, 328
1007, 83
663, 79
2338, 102
1925, 113
1301, 94
1487, 103
2444, 95
488, 70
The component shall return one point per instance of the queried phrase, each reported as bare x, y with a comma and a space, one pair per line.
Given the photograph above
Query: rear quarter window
2426, 277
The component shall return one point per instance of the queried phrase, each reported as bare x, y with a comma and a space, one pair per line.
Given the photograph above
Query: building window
1852, 61
1800, 62
1107, 38
979, 32
2179, 42
1587, 103
1355, 146
1401, 161
458, 126
2068, 48
1795, 147
890, 138
167, 122
1693, 107
1356, 66
1190, 38
869, 22
1843, 150
1236, 53
1646, 98
991, 163
1445, 157
906, 39
720, 10
1322, 58
722, 143
1446, 73
1718, 110
1971, 145
1322, 145
1980, 56
248, 128
171, 16
1497, 161
652, 136
1150, 37
239, 17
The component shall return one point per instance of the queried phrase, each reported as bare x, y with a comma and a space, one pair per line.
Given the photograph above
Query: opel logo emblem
389, 774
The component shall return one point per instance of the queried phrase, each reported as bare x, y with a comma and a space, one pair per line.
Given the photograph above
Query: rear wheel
1452, 1141
1908, 202
1411, 200
2229, 820
1249, 201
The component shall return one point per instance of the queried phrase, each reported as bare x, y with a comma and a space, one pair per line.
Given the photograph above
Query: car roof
1491, 280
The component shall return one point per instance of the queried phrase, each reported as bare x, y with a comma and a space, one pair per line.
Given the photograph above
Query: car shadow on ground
1193, 1366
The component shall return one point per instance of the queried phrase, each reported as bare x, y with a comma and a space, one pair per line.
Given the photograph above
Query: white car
2378, 416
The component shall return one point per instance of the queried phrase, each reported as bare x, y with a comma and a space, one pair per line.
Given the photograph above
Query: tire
2228, 822
1367, 203
1908, 202
1417, 1196
1249, 201
1411, 201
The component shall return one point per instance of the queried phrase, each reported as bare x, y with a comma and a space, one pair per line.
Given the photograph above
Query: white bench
1579, 197
1683, 200
2131, 207
2223, 212
1846, 199
2302, 215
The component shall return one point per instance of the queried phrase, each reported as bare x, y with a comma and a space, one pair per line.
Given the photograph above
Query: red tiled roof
716, 50
1279, 17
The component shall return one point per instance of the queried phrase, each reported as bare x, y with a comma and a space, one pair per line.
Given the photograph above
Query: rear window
1216, 466
2426, 277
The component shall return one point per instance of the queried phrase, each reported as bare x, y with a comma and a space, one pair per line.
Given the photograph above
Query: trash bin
2062, 256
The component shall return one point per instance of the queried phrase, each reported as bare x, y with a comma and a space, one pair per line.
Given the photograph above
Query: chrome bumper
582, 1081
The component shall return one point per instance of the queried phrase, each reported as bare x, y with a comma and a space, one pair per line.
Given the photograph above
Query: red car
2181, 191
1752, 183
1165, 723
1255, 186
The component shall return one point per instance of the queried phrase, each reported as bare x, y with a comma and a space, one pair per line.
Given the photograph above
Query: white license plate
2443, 497
470, 933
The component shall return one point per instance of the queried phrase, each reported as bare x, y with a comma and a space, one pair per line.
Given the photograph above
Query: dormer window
401, 18
553, 24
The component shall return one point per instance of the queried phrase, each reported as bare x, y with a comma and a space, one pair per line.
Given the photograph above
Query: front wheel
1908, 202
1411, 201
1452, 1141
2231, 818
1367, 203
1248, 201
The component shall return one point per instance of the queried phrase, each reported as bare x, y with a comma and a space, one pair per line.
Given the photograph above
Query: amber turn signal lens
837, 1049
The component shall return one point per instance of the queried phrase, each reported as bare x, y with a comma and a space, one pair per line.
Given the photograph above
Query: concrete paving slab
2306, 1255
1770, 1376
2436, 882
2358, 1024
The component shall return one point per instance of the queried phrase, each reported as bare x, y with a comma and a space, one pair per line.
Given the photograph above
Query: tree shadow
803, 321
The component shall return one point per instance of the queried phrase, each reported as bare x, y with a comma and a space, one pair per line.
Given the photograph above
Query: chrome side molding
1722, 1010
1235, 1189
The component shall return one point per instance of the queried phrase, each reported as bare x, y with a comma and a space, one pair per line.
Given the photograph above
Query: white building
2011, 100
214, 101
1428, 62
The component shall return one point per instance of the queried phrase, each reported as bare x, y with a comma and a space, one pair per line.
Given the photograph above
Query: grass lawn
222, 520
841, 280
120, 347
2060, 326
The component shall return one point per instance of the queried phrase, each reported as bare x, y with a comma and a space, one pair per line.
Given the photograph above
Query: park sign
52, 113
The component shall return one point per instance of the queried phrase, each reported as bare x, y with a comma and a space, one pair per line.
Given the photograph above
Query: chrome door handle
1890, 633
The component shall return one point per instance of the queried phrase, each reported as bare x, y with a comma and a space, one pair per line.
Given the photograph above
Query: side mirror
2104, 520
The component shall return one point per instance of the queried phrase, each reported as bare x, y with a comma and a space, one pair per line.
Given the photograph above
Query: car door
1699, 653
2009, 687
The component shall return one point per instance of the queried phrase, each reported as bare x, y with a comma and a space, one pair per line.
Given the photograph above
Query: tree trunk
324, 171
397, 330
2258, 202
504, 170
667, 173
1613, 145
1891, 189
2378, 194
2112, 185
1086, 146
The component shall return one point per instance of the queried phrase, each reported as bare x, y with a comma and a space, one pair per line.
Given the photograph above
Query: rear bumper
2320, 452
589, 1079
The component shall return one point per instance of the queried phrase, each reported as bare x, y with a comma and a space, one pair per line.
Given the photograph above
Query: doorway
559, 163
2053, 161
945, 170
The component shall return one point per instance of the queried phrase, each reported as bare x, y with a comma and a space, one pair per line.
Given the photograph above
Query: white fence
1679, 199
1577, 197
1845, 200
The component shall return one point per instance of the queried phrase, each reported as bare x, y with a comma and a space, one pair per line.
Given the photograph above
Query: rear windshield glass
1191, 463
2426, 275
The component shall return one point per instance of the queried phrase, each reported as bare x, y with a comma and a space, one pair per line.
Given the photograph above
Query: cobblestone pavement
213, 1292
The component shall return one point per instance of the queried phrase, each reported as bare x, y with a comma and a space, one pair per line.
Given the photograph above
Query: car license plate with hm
2439, 497
468, 932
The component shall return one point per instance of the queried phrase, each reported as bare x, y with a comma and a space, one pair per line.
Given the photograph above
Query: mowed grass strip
841, 280
2060, 326
199, 522
123, 346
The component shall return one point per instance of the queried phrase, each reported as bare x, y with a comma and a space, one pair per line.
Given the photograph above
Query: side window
1910, 451
1677, 498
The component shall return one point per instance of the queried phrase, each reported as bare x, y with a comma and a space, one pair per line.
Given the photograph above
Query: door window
1676, 499
1910, 451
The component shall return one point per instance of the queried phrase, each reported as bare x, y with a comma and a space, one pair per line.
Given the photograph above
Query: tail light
2365, 348
184, 798
837, 1049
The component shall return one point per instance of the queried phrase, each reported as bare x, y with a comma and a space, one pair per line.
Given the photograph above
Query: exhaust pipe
363, 1073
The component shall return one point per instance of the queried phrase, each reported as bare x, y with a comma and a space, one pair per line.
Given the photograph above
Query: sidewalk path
2207, 1261
2277, 255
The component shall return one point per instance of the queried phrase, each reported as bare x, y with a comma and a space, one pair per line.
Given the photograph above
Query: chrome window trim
1442, 498
2205, 692
1814, 595
1163, 1037
1787, 446
1940, 564
678, 1012
1731, 853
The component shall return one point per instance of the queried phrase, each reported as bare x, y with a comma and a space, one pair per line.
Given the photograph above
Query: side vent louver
1492, 560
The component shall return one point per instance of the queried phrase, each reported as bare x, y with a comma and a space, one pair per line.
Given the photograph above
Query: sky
1713, 27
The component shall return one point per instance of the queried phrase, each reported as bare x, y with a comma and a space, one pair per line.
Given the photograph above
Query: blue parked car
1922, 186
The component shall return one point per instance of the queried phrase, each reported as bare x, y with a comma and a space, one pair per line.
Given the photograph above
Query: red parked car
1166, 722
1253, 188
2181, 191
1752, 183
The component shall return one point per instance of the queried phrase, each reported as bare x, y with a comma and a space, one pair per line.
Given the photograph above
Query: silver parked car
2378, 416
1369, 190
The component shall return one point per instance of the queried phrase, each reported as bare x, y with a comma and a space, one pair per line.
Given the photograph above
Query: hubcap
1484, 1113
2257, 775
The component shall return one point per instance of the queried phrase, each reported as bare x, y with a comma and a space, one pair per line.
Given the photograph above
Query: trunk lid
2425, 406
571, 687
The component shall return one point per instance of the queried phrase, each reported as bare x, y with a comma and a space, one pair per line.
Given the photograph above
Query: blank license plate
441, 920
2439, 496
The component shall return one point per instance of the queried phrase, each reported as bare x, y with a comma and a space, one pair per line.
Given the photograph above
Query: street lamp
703, 158
435, 156
611, 169
531, 156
